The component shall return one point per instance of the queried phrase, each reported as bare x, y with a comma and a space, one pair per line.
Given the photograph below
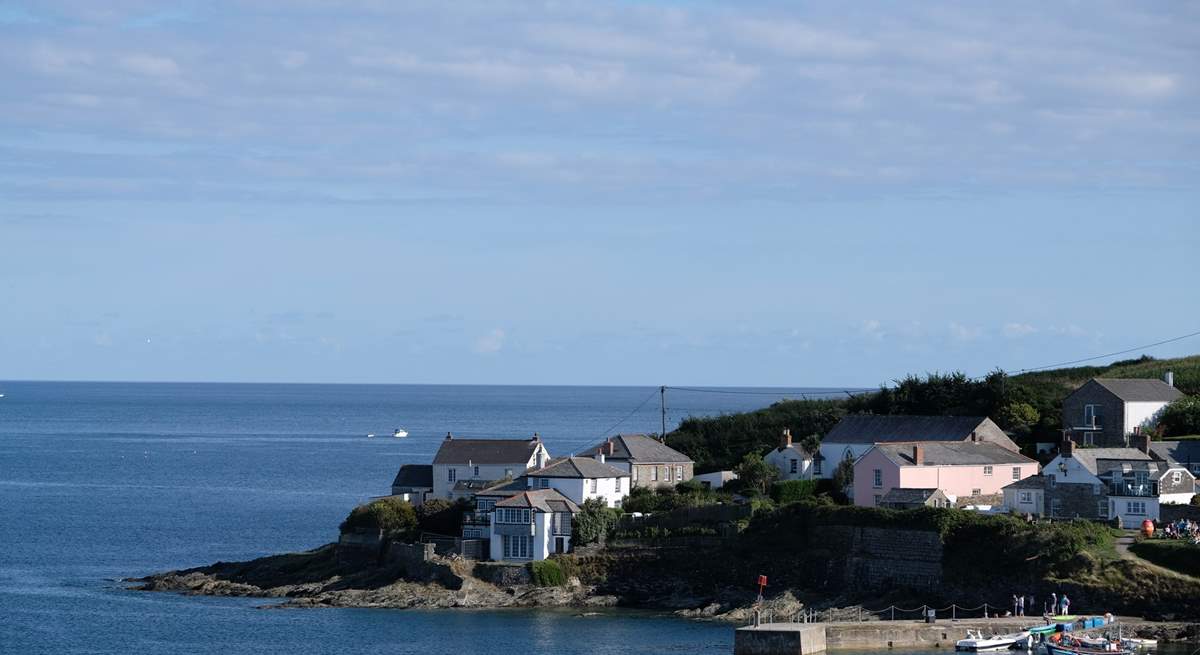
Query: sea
104, 481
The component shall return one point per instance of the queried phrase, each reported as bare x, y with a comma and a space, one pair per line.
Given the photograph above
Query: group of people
1182, 529
1055, 605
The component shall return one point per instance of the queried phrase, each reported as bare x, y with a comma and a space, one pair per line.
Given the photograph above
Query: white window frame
1176, 477
452, 474
1026, 497
595, 485
1135, 507
794, 467
544, 483
987, 469
977, 492
817, 465
476, 472
617, 484
1102, 509
1016, 472
1089, 411
654, 474
877, 478
679, 472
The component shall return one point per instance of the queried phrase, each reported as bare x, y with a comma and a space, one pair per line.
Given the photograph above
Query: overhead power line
1119, 352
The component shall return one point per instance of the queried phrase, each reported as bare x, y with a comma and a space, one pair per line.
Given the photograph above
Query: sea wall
881, 558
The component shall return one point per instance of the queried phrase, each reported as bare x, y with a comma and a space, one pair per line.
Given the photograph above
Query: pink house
959, 469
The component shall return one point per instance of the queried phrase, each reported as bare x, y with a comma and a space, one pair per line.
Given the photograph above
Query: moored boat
976, 642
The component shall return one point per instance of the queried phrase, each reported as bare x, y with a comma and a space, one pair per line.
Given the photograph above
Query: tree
843, 475
756, 473
594, 521
392, 515
1018, 417
1181, 417
811, 444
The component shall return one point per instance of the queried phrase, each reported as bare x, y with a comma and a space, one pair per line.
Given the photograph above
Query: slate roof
474, 486
577, 467
1185, 453
414, 476
1089, 458
545, 500
1104, 466
640, 449
485, 451
1132, 391
952, 453
1032, 482
903, 496
505, 488
872, 428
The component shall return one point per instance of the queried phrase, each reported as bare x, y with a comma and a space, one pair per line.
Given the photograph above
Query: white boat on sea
976, 642
400, 433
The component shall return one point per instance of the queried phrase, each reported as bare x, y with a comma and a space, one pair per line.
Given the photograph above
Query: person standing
1053, 606
1016, 604
1066, 604
1021, 605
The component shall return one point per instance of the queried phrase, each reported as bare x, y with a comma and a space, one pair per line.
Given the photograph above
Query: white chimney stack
600, 456
1169, 378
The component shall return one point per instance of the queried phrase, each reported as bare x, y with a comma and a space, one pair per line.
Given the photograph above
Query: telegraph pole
662, 405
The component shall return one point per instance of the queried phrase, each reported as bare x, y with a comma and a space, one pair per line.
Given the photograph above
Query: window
794, 467
1026, 497
617, 485
654, 474
877, 497
1055, 507
878, 480
635, 470
484, 504
1089, 439
817, 465
1016, 472
679, 472
1102, 509
667, 473
476, 471
1176, 477
595, 485
1135, 507
508, 473
512, 515
1053, 480
975, 492
1093, 416
987, 470
544, 483
517, 546
453, 474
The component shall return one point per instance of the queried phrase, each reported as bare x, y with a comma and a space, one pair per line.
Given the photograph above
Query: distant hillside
1186, 369
1029, 405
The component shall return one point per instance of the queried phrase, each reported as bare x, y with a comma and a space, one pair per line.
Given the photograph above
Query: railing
892, 613
477, 518
1134, 489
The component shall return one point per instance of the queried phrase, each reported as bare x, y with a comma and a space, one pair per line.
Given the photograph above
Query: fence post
985, 610
893, 612
953, 612
860, 613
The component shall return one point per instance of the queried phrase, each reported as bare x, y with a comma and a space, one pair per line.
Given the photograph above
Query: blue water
100, 481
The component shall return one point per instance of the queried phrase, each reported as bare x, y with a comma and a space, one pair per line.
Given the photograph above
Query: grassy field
1186, 370
1176, 555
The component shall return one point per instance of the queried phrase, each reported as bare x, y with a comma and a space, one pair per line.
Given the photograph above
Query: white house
854, 435
413, 483
531, 525
464, 466
581, 479
1106, 412
1026, 496
792, 460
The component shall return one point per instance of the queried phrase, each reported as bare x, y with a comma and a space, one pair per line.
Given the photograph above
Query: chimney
786, 440
918, 455
1169, 378
608, 447
1141, 441
541, 458
535, 437
1067, 447
974, 436
449, 436
600, 457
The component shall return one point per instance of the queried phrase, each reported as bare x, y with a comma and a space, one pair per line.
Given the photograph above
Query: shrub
1178, 556
392, 515
790, 491
756, 474
594, 521
441, 516
547, 573
1181, 417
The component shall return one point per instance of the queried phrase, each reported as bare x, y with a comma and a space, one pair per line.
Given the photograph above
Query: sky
704, 193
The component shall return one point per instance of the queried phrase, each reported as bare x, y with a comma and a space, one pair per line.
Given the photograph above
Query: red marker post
762, 583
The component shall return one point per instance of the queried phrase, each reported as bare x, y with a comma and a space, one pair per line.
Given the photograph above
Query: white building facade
472, 462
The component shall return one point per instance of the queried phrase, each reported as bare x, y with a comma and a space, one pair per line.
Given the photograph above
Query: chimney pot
535, 437
1067, 448
449, 436
785, 440
608, 446
600, 457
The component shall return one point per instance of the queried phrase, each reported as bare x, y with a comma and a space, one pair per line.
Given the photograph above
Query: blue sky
582, 193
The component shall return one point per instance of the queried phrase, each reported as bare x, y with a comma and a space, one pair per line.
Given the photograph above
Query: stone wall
1113, 415
360, 547
503, 575
878, 558
1076, 500
408, 554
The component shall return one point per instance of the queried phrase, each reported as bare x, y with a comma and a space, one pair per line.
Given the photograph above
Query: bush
441, 516
392, 515
595, 521
547, 573
1181, 417
1179, 556
790, 491
756, 474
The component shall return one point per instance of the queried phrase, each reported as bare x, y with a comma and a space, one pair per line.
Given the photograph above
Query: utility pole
662, 404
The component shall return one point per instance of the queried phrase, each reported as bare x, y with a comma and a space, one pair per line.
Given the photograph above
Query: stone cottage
1104, 413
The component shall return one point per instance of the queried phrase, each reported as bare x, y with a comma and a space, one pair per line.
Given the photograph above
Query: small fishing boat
976, 642
1133, 643
1065, 644
370, 435
400, 433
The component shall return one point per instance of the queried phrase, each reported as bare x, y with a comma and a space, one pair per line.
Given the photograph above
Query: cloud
960, 332
797, 39
492, 342
150, 65
871, 329
1017, 330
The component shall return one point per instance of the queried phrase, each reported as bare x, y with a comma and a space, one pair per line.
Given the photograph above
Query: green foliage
595, 521
843, 476
755, 473
790, 491
1176, 555
441, 516
547, 573
718, 443
1181, 417
1018, 417
392, 515
665, 499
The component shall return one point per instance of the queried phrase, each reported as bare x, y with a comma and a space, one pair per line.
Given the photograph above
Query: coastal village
519, 502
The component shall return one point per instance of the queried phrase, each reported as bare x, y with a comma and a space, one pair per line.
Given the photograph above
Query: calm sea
100, 481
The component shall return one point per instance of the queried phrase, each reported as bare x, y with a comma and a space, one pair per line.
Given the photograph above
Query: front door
560, 544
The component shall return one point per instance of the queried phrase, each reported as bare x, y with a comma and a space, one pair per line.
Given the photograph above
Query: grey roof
485, 451
504, 488
1089, 457
414, 476
577, 467
545, 500
1177, 452
639, 449
1105, 466
1032, 482
474, 485
952, 453
904, 496
1131, 390
874, 428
